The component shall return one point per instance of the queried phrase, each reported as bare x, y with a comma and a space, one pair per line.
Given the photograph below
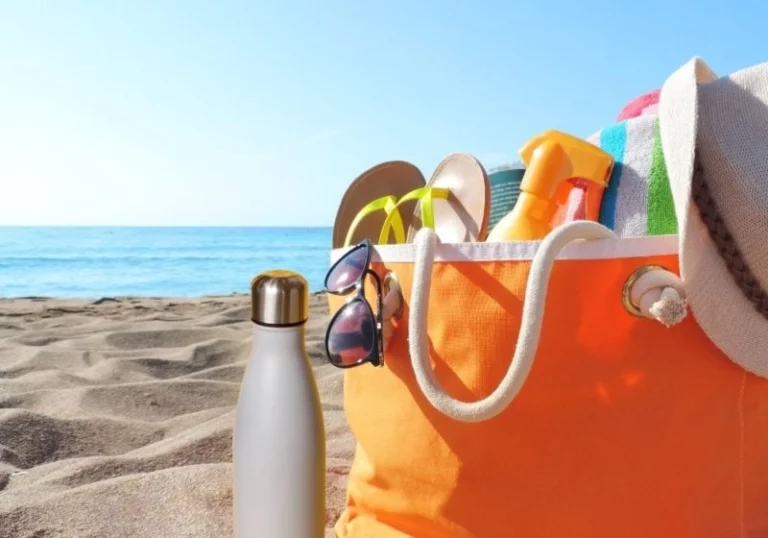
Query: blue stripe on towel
613, 140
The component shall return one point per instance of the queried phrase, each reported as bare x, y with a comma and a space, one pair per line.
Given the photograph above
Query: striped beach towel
638, 200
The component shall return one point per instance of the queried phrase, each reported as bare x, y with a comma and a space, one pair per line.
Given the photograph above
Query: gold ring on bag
626, 292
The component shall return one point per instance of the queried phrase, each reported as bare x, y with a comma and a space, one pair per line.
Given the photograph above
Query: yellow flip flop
392, 178
394, 222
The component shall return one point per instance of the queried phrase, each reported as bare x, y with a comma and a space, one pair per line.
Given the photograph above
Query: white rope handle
658, 294
530, 329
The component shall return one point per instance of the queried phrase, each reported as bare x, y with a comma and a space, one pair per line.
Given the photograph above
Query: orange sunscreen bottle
551, 159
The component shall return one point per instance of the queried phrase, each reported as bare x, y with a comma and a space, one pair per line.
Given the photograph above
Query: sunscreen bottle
551, 159
279, 438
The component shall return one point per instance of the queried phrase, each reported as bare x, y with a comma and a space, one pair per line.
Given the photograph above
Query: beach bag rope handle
657, 293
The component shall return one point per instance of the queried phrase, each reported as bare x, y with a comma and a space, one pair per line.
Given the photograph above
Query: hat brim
718, 305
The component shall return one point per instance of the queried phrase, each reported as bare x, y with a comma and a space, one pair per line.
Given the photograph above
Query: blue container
505, 189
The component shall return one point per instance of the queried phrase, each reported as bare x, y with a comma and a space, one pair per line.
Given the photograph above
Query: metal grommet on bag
626, 292
391, 282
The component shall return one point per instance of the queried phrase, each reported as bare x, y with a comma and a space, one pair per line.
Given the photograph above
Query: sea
154, 262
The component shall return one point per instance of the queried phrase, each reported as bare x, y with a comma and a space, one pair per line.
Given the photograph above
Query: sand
116, 415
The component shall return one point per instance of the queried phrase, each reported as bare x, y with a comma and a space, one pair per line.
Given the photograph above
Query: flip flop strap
385, 203
394, 221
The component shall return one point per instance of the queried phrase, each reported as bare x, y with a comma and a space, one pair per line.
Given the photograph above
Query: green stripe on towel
661, 209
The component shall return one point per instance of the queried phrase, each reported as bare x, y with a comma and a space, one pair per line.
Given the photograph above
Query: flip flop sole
464, 216
395, 178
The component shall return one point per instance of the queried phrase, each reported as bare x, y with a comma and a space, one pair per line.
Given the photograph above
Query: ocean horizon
154, 261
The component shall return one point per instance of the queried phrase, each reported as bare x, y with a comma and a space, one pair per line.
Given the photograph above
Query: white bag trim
600, 249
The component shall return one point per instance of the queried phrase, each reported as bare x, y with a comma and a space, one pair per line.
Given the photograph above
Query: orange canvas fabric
624, 428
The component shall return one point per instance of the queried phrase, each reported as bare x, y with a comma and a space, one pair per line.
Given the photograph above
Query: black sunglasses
354, 334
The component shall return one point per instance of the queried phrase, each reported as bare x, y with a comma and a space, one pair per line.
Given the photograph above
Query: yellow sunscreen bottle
551, 159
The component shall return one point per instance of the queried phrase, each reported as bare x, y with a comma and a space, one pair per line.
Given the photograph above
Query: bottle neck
290, 339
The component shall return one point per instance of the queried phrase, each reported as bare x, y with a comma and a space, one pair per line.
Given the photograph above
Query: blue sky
261, 113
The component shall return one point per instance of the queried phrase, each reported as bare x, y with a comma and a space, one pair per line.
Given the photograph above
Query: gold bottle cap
279, 298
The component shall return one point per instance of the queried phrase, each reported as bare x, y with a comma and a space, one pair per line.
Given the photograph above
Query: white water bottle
279, 436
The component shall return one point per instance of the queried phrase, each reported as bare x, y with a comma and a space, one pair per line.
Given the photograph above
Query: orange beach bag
623, 428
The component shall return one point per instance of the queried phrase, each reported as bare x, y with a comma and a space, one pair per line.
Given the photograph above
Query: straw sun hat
715, 139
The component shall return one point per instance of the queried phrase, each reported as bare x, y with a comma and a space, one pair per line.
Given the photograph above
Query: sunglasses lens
347, 271
351, 336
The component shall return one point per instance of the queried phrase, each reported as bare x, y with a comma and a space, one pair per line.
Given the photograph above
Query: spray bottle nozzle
573, 158
551, 158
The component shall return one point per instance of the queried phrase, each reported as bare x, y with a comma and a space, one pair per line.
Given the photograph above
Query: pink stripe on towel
645, 104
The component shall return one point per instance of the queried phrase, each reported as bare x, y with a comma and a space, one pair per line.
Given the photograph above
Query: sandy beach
116, 415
